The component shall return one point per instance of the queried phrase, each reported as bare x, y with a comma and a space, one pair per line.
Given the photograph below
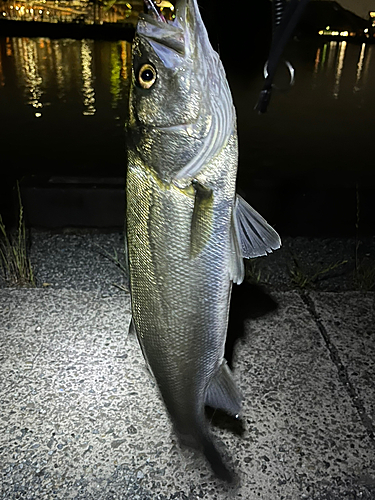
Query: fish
187, 231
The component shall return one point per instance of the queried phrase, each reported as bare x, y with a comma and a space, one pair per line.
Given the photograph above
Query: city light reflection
330, 61
360, 67
48, 71
25, 51
2, 80
317, 60
87, 79
331, 54
59, 69
367, 64
120, 71
339, 68
125, 60
115, 75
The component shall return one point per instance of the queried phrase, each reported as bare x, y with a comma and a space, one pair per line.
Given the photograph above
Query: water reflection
2, 82
87, 79
367, 63
339, 67
27, 67
317, 60
57, 62
331, 54
52, 71
360, 67
120, 69
330, 62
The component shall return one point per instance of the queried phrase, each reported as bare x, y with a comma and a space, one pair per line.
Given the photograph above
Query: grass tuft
364, 276
14, 260
254, 274
303, 279
120, 262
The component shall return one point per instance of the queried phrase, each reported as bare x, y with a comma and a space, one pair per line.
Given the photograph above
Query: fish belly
180, 285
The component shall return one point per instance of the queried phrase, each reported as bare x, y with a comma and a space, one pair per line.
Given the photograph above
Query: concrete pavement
80, 417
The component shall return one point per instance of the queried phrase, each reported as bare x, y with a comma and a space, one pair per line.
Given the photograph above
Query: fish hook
291, 73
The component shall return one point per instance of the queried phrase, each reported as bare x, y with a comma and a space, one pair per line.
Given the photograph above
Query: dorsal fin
256, 236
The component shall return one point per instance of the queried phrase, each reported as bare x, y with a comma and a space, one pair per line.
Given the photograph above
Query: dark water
63, 105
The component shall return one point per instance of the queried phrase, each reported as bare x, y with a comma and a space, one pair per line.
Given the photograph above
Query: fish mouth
154, 10
172, 34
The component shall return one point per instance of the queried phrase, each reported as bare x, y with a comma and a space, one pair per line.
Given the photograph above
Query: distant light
17, 8
128, 6
366, 30
4, 14
165, 4
38, 115
328, 28
31, 11
47, 12
321, 32
40, 11
344, 33
335, 33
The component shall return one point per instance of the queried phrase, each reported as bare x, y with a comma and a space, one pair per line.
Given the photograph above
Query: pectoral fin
255, 235
201, 221
222, 392
236, 265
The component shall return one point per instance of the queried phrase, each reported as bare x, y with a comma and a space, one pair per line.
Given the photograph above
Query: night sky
233, 30
359, 7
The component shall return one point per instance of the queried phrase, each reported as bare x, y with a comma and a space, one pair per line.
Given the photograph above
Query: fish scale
185, 244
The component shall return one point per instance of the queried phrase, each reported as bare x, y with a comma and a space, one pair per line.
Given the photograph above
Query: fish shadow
221, 420
249, 301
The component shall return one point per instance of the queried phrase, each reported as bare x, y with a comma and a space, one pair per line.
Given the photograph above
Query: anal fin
222, 392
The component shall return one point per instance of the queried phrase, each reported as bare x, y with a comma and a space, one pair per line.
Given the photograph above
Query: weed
14, 259
303, 279
121, 263
254, 273
364, 276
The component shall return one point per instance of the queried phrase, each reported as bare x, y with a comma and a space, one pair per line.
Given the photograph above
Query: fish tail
202, 441
216, 461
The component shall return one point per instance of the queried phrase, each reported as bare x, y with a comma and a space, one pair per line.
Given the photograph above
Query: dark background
304, 171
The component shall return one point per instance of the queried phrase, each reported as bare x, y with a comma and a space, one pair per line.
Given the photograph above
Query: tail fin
216, 461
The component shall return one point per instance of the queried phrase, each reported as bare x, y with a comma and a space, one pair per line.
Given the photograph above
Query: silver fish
187, 231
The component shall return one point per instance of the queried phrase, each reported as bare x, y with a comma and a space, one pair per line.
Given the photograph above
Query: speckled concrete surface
350, 319
80, 417
80, 261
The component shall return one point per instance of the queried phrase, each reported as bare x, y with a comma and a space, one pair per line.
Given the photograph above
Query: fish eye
147, 76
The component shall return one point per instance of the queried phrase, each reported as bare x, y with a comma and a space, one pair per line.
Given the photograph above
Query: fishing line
152, 6
285, 23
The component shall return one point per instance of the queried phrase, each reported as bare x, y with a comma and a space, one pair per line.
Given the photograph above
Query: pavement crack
341, 369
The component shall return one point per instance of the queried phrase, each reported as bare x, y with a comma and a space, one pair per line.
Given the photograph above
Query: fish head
181, 109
